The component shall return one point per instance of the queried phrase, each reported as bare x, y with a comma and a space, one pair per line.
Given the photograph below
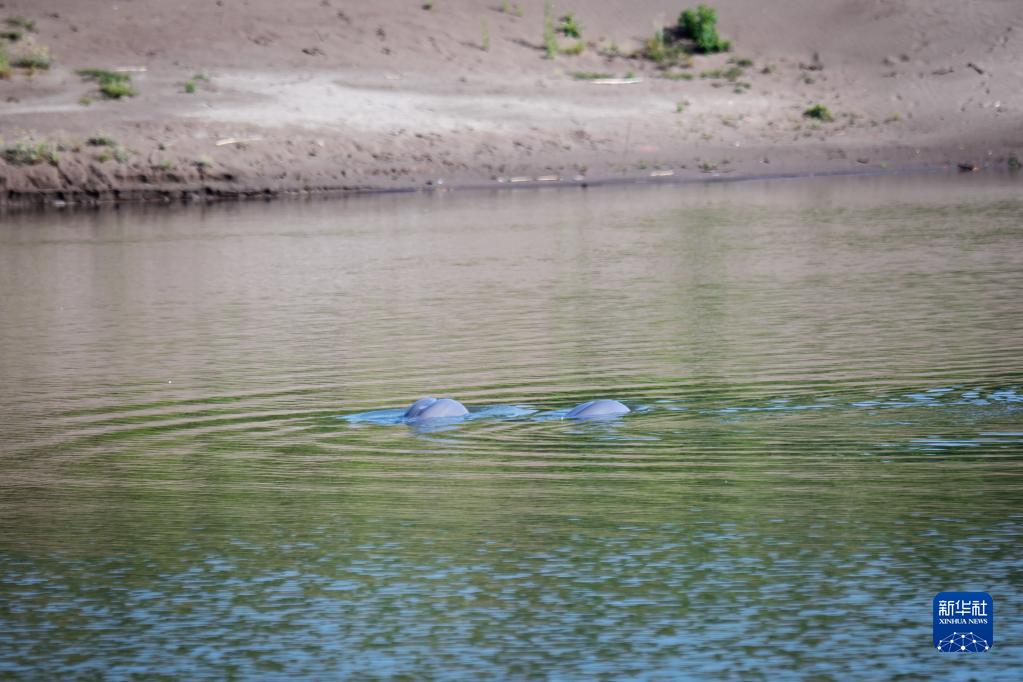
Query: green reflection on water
827, 384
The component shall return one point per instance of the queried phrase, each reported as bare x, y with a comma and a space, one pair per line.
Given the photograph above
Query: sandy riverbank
328, 95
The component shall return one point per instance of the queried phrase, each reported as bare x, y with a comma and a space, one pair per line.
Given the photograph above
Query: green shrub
700, 26
5, 64
190, 87
112, 85
819, 112
569, 26
12, 36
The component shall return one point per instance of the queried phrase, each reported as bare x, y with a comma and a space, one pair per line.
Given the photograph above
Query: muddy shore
251, 98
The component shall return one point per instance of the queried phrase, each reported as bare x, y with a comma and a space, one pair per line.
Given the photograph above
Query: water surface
827, 378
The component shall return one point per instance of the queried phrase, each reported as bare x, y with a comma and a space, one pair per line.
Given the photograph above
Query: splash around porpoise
443, 411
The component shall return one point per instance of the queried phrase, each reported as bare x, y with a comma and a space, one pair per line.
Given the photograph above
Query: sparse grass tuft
677, 76
550, 39
569, 26
5, 64
190, 87
36, 57
29, 151
100, 140
112, 85
574, 49
21, 22
732, 74
428, 5
485, 36
590, 75
700, 26
13, 36
820, 113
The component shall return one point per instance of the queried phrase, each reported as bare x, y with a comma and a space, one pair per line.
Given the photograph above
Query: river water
826, 379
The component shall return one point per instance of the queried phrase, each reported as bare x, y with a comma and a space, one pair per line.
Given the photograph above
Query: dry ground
325, 94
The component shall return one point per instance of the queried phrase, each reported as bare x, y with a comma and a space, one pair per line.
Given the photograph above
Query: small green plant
35, 58
21, 22
700, 26
681, 106
485, 37
13, 36
744, 62
819, 112
112, 85
190, 87
550, 39
166, 165
5, 64
569, 26
590, 75
575, 49
610, 50
85, 100
122, 154
677, 76
428, 5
